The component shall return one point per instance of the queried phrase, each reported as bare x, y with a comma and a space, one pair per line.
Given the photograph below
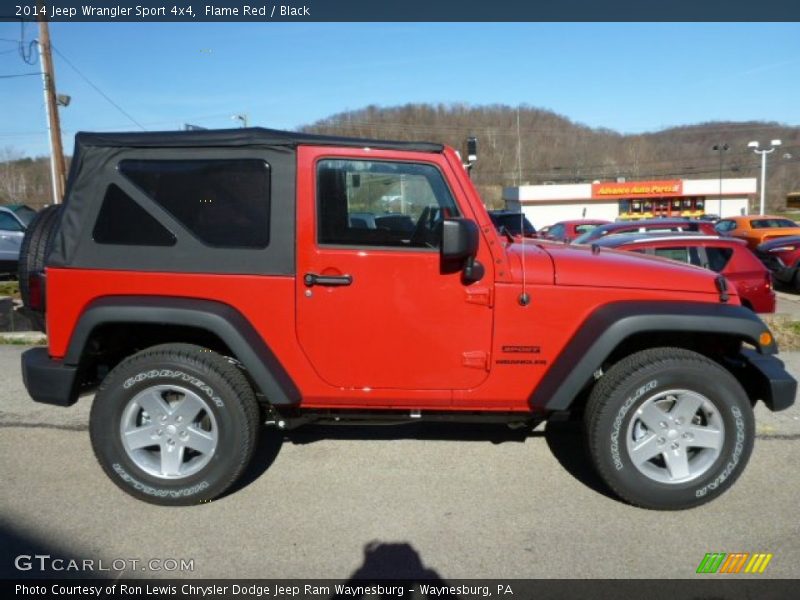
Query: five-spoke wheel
669, 428
174, 424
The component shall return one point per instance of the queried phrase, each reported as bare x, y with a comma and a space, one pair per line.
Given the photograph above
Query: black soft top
252, 136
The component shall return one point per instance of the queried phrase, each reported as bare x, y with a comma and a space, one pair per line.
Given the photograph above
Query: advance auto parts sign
638, 189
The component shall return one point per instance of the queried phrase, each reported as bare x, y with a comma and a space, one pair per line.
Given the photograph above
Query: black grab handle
311, 279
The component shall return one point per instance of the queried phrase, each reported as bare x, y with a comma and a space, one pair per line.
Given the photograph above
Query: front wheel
669, 429
174, 424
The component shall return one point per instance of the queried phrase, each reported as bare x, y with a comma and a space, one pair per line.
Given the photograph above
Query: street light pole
720, 148
763, 153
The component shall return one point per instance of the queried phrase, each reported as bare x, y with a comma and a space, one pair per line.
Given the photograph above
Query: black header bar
701, 587
400, 10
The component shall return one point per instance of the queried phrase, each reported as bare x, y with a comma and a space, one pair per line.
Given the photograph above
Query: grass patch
9, 288
785, 330
15, 341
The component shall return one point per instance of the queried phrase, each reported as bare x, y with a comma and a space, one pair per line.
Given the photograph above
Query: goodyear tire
669, 429
174, 424
33, 253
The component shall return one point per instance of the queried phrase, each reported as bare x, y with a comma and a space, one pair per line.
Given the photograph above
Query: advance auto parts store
611, 201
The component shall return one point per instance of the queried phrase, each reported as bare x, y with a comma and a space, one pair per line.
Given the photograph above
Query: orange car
756, 229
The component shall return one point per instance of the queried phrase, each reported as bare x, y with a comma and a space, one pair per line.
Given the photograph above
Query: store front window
647, 208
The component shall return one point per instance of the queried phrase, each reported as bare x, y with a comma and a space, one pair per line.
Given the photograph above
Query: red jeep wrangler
203, 282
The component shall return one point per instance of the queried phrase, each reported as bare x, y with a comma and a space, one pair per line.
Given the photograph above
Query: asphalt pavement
446, 501
787, 303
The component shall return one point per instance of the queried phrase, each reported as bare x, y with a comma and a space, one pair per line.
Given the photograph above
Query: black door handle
334, 280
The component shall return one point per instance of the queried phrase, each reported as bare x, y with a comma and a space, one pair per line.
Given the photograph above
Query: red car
651, 225
727, 256
566, 231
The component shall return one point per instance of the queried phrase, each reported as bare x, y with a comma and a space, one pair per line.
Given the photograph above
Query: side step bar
394, 417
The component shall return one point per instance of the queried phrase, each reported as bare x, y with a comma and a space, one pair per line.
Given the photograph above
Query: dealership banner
398, 10
426, 587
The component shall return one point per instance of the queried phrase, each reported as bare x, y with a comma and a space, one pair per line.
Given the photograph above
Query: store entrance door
660, 207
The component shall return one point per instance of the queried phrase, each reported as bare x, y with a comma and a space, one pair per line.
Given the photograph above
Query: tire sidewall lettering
173, 374
144, 488
733, 462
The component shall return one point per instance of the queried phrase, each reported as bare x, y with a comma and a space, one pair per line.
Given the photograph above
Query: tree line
530, 145
519, 145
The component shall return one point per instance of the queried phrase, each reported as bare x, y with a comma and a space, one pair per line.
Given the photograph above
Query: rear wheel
33, 253
174, 424
669, 429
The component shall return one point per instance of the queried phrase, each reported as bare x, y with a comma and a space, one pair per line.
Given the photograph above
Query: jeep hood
580, 266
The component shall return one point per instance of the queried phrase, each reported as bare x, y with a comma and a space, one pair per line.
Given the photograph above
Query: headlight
782, 249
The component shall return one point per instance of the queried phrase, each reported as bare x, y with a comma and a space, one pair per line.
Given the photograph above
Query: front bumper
766, 379
47, 380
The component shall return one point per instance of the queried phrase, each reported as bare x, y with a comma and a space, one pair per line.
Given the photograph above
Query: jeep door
374, 308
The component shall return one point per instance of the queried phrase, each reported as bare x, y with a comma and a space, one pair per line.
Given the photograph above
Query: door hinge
476, 359
482, 296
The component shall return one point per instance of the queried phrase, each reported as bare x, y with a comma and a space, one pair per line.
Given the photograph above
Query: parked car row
752, 251
774, 240
773, 243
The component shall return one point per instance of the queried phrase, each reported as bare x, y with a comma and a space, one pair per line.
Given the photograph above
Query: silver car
14, 220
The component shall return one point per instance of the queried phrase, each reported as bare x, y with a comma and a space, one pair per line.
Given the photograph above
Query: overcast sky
626, 77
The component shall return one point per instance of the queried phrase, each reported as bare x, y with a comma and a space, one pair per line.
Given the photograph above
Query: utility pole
519, 153
57, 165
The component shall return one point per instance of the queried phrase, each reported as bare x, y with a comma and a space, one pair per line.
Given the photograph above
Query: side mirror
460, 238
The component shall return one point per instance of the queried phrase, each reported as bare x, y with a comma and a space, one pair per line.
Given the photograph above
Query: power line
19, 75
97, 89
26, 54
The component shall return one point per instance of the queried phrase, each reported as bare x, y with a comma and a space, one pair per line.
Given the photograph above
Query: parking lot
788, 303
422, 501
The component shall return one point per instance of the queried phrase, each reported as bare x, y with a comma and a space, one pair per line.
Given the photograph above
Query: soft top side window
225, 203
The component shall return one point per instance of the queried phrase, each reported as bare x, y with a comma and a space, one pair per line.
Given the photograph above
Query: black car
512, 222
782, 257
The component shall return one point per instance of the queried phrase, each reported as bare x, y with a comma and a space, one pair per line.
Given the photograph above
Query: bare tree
13, 180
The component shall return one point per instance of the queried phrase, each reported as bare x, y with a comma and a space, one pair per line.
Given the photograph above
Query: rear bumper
768, 380
49, 381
